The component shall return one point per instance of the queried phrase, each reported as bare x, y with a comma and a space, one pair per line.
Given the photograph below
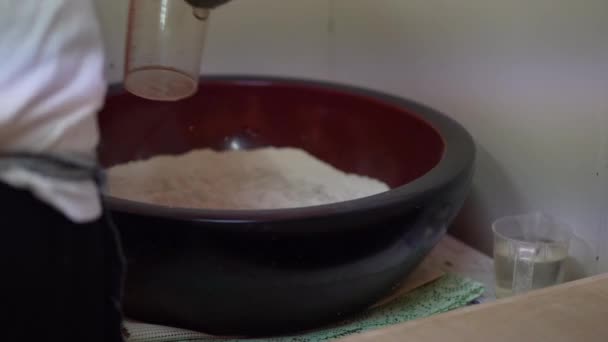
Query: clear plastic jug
165, 41
530, 252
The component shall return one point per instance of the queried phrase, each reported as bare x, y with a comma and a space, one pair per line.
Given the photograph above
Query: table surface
574, 311
453, 256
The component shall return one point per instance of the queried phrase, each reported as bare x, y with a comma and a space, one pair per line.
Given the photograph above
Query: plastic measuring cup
530, 252
165, 41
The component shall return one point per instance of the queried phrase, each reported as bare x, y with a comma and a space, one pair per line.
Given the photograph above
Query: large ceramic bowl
275, 271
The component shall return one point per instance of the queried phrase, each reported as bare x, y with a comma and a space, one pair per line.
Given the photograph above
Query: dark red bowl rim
458, 158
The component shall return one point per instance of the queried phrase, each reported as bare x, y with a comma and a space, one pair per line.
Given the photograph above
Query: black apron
62, 280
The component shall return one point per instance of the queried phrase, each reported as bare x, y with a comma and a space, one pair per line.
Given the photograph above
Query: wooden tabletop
575, 311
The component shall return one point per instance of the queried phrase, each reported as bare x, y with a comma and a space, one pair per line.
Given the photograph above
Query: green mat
447, 293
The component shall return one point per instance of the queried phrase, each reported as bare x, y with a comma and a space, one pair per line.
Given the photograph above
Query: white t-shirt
51, 86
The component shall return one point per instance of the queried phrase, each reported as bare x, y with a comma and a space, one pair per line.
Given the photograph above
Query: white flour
266, 178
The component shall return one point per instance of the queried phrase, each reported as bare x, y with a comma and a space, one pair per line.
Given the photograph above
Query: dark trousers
60, 281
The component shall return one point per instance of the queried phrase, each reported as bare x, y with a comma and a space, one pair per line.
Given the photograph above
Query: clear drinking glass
530, 252
165, 41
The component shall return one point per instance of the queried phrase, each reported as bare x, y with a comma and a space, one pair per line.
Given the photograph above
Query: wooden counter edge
457, 330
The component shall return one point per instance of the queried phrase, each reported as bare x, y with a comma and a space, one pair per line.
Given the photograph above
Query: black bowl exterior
280, 271
191, 275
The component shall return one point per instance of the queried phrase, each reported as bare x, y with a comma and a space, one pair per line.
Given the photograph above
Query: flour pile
268, 178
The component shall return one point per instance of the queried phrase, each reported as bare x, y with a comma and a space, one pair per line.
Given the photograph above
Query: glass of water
530, 252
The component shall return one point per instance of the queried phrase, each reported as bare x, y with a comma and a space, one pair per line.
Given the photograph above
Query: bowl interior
354, 133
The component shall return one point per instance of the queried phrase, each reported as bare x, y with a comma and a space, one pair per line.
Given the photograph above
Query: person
62, 261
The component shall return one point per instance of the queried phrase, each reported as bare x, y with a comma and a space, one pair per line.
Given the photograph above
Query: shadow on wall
493, 196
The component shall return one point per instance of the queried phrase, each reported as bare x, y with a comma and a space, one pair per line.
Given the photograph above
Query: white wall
528, 78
